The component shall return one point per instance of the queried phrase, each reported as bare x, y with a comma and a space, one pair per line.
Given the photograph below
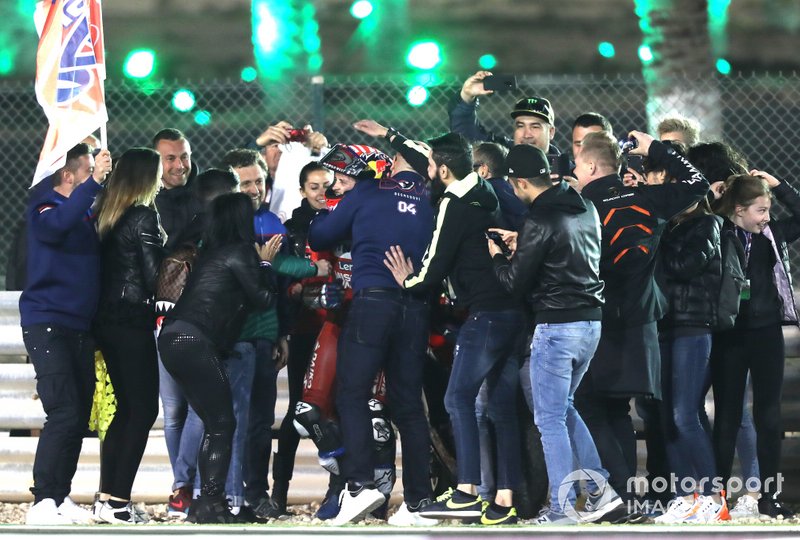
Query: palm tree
679, 70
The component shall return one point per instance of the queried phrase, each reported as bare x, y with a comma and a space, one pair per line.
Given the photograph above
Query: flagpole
104, 136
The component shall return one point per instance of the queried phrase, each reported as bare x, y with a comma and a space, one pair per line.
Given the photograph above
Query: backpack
173, 275
732, 281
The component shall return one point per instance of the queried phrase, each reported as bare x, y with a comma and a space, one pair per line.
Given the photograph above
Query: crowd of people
647, 271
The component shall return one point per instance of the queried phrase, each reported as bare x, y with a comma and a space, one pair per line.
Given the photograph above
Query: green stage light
140, 63
249, 74
6, 62
361, 9
183, 100
645, 54
202, 118
417, 95
487, 61
606, 49
723, 66
424, 55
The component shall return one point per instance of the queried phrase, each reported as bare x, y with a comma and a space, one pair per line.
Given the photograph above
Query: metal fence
761, 117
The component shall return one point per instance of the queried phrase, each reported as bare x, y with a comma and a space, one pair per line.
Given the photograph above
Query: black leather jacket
691, 270
225, 285
131, 255
557, 263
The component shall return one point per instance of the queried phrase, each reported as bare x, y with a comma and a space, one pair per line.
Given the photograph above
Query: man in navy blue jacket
386, 328
56, 308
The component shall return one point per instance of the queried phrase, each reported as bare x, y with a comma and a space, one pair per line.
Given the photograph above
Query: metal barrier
20, 409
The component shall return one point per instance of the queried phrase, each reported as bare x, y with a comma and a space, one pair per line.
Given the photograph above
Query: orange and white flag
70, 75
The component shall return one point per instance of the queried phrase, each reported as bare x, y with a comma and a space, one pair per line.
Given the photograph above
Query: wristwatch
390, 132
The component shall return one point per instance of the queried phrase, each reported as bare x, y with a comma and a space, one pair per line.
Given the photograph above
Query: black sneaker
247, 515
454, 504
211, 509
280, 491
772, 507
494, 514
266, 509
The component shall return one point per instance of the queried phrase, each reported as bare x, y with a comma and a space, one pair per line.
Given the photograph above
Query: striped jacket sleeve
440, 256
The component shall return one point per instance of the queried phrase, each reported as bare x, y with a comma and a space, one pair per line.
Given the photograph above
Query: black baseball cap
526, 161
534, 106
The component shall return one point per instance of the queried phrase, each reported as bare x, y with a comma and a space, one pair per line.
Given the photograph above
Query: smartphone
635, 163
497, 238
498, 83
560, 165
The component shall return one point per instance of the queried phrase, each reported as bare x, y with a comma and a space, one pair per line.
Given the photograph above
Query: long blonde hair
133, 182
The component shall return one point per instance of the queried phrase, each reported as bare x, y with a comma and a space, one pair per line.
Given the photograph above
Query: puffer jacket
690, 272
131, 254
226, 284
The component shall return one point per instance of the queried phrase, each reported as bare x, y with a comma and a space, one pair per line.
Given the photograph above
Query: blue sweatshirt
63, 283
512, 210
377, 214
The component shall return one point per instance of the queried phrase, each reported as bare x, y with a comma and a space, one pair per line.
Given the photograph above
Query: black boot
280, 491
211, 509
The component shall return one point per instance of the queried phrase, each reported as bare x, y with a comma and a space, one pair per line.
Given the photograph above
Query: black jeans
196, 366
385, 329
64, 363
301, 347
132, 363
733, 353
609, 422
258, 448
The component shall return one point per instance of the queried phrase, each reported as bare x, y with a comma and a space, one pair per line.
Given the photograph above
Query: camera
298, 135
497, 238
627, 144
635, 163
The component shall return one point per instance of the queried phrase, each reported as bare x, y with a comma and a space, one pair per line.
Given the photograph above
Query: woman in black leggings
755, 344
231, 278
132, 249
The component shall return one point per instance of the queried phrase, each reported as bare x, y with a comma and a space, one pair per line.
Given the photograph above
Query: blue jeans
385, 329
560, 356
175, 412
689, 451
486, 436
488, 348
746, 439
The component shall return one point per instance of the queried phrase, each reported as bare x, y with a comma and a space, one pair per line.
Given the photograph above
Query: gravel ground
14, 513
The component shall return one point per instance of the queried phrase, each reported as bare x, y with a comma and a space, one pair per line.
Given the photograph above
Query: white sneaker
711, 511
78, 514
45, 512
746, 507
128, 514
354, 506
406, 518
679, 510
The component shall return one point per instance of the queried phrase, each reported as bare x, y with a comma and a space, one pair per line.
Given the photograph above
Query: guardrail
20, 409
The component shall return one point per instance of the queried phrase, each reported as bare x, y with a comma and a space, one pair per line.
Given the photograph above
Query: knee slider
309, 423
382, 433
